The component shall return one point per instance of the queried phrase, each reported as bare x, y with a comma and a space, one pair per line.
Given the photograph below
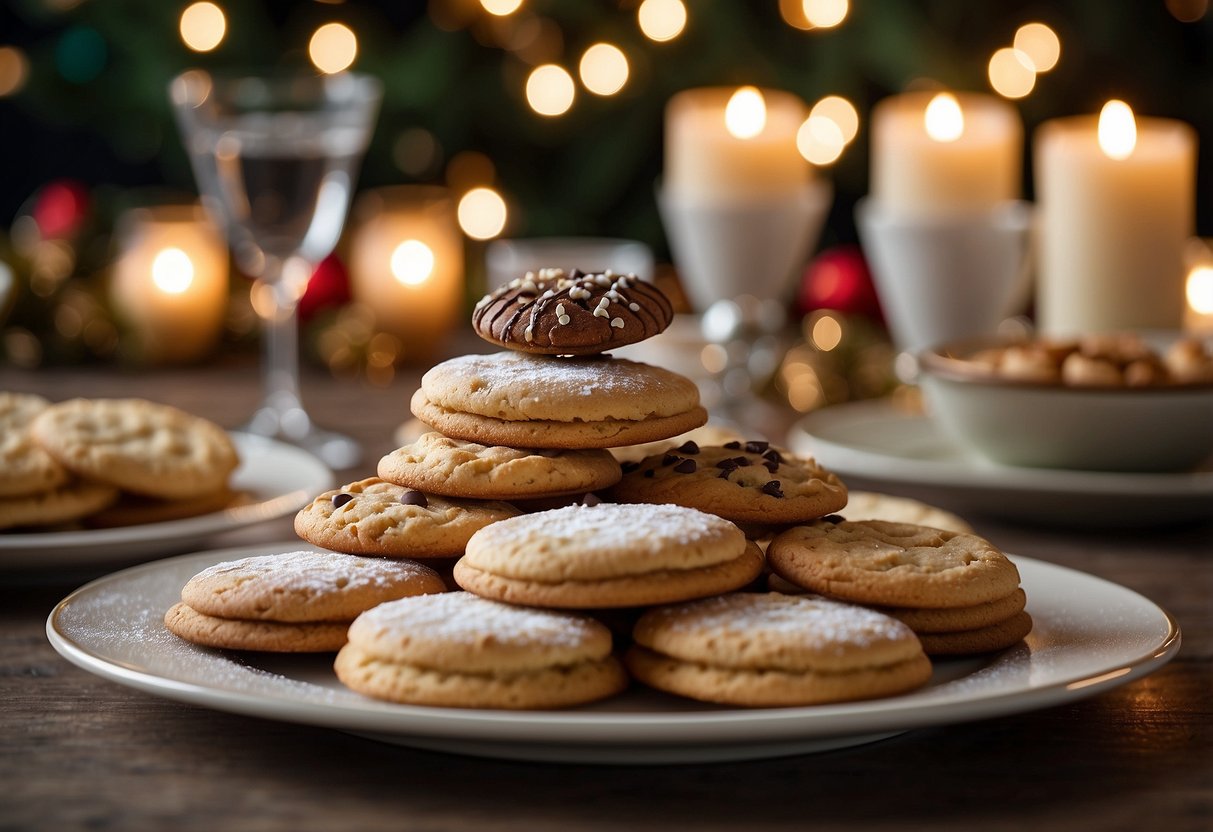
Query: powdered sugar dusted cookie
607, 555
461, 651
440, 465
533, 401
373, 517
574, 313
138, 446
25, 468
767, 650
746, 482
299, 601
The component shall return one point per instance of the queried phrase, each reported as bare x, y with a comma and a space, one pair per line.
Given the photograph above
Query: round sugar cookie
373, 517
458, 650
607, 556
138, 446
769, 650
981, 640
136, 510
25, 468
892, 564
573, 313
438, 464
305, 586
64, 504
746, 482
263, 636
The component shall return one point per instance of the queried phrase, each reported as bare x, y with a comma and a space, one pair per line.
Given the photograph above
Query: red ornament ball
329, 286
839, 279
60, 208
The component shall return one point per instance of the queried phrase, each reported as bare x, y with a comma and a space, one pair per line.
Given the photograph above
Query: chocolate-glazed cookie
555, 313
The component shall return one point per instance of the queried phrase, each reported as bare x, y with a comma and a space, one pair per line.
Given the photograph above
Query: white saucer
278, 479
1090, 635
873, 440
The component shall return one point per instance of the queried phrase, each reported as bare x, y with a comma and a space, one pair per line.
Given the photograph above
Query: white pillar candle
406, 263
729, 144
945, 154
1115, 214
170, 281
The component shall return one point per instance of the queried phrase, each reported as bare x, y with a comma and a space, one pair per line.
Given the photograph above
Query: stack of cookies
108, 462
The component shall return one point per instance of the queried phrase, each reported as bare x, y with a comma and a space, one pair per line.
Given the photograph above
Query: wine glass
275, 159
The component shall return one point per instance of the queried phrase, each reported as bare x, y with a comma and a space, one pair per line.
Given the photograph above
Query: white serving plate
1090, 635
279, 479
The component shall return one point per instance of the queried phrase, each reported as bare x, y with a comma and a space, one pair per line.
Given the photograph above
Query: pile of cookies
573, 573
108, 462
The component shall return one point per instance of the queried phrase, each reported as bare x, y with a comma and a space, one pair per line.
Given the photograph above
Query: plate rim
615, 729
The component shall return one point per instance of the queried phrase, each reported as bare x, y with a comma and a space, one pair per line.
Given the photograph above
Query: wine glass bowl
275, 159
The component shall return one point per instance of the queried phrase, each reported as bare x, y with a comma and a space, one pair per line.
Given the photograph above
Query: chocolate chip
773, 455
629, 467
576, 273
688, 447
590, 500
732, 446
727, 464
414, 498
771, 465
832, 518
772, 488
649, 473
341, 499
724, 475
756, 447
670, 459
687, 466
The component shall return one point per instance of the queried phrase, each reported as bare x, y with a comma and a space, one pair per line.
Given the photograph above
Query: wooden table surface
77, 751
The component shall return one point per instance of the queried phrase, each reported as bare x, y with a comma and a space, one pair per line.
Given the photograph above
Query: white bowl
1042, 425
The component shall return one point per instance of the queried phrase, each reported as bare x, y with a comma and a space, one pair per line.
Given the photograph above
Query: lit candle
734, 144
1117, 200
945, 154
170, 282
1198, 287
406, 264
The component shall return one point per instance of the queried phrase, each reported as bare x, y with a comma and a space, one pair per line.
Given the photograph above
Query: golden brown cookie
25, 468
292, 602
535, 401
373, 517
772, 650
746, 482
59, 505
138, 446
438, 464
892, 564
457, 650
710, 434
868, 505
606, 555
981, 640
136, 510
555, 313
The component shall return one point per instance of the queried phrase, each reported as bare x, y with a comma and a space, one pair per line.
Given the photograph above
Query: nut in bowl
1124, 402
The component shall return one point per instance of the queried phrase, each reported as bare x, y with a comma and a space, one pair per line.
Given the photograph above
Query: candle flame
1199, 290
412, 262
1117, 130
944, 120
172, 271
745, 116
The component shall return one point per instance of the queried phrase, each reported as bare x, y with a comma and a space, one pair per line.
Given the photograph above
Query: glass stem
280, 342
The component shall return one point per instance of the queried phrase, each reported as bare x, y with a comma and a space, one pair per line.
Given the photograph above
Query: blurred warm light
172, 271
501, 8
1012, 73
820, 140
745, 115
662, 20
482, 213
14, 69
603, 69
825, 14
333, 48
1040, 44
827, 333
1117, 130
1188, 11
840, 111
792, 12
805, 391
550, 90
944, 120
203, 26
1199, 290
412, 262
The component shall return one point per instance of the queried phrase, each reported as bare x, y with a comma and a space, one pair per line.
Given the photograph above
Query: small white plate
1090, 635
279, 479
873, 440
